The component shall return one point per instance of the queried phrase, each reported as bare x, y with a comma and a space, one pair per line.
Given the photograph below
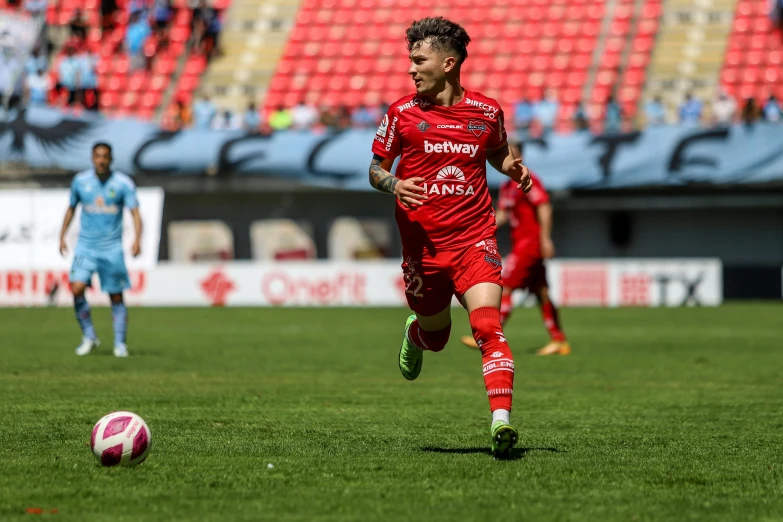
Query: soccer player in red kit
529, 217
444, 135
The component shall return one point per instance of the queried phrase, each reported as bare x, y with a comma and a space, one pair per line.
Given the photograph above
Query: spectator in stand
227, 120
181, 117
88, 78
303, 116
772, 112
138, 31
204, 112
776, 12
36, 62
251, 119
545, 112
750, 112
581, 122
162, 13
654, 112
724, 109
36, 8
343, 117
37, 87
11, 80
690, 110
206, 28
365, 117
613, 120
523, 117
108, 10
280, 119
78, 25
69, 75
328, 118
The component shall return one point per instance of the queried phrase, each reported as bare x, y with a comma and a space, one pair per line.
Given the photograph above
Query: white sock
503, 415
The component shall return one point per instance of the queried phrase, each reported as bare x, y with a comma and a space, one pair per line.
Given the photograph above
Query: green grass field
660, 414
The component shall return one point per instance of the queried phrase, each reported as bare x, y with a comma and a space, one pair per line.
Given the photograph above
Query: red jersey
447, 146
522, 216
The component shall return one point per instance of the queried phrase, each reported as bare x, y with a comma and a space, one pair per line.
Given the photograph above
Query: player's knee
435, 341
115, 298
485, 323
77, 289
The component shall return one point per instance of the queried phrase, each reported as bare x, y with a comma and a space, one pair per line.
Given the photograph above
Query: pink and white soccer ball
121, 438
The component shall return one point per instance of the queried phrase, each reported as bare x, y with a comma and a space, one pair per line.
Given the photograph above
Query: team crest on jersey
477, 127
112, 194
494, 261
423, 126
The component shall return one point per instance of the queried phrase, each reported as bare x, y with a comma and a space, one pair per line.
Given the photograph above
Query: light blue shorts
109, 264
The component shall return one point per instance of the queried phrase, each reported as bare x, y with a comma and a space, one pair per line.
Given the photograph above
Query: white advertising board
605, 283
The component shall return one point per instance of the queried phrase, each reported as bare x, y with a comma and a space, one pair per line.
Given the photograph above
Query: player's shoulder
408, 102
481, 101
124, 180
83, 175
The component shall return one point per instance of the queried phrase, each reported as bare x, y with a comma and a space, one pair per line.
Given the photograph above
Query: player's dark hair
441, 34
101, 144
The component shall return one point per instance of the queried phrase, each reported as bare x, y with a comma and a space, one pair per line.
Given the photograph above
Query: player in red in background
530, 218
444, 135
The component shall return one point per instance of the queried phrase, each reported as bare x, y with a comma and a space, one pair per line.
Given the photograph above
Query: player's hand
63, 247
409, 192
517, 169
136, 249
547, 248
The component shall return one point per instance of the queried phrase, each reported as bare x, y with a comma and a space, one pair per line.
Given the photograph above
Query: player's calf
498, 362
432, 341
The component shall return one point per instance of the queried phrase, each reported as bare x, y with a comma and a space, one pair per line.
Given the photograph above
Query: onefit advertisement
596, 283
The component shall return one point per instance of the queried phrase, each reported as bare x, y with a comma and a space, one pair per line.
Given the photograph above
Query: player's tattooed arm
380, 177
408, 191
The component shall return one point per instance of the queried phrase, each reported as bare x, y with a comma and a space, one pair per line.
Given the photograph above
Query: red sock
495, 355
506, 307
551, 321
426, 340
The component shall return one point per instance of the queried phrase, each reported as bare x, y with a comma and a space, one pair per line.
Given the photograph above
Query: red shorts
521, 270
432, 279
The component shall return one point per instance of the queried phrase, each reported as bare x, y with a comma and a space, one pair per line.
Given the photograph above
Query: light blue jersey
102, 207
99, 248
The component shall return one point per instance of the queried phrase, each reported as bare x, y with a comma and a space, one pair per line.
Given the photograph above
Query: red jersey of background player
522, 216
447, 146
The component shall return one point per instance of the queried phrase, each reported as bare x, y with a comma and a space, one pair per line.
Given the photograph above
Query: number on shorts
414, 280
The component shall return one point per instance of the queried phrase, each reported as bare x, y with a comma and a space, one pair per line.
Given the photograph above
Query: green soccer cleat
411, 356
504, 437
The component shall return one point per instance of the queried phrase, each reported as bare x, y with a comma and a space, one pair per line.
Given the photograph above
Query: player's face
101, 160
428, 69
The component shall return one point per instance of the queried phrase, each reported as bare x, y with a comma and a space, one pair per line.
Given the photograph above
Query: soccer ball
121, 438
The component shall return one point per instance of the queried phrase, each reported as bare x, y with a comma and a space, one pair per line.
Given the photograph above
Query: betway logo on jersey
450, 180
448, 147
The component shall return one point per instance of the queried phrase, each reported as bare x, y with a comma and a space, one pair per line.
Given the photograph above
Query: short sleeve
129, 199
74, 195
387, 140
538, 194
498, 137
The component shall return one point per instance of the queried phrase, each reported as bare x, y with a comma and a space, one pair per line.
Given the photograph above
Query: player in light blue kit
103, 194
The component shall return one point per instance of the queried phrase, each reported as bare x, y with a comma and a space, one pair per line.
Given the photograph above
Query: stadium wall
739, 229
